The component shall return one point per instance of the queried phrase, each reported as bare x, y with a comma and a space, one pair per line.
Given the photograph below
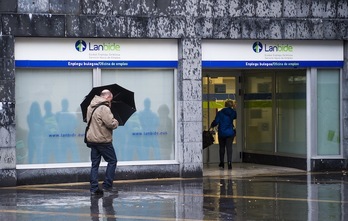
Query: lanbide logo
80, 45
257, 47
276, 48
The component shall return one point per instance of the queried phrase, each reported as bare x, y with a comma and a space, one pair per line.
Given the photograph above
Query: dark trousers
109, 155
225, 143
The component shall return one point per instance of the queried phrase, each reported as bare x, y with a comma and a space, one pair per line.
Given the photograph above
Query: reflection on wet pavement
267, 193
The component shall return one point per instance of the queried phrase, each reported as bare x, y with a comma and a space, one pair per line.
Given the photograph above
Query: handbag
208, 138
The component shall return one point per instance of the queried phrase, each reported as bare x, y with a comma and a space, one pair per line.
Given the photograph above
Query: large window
149, 133
49, 122
328, 106
49, 127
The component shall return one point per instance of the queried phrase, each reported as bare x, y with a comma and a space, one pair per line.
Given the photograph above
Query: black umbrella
122, 105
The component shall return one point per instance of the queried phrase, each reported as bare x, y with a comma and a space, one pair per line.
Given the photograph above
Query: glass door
275, 112
219, 86
258, 113
291, 112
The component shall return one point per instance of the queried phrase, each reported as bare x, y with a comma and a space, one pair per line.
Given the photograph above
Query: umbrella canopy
122, 105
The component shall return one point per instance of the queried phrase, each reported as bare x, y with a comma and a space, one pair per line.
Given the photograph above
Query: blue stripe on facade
270, 64
103, 64
255, 96
258, 96
174, 64
214, 97
279, 96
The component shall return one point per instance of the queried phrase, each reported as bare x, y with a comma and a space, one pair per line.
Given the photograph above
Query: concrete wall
189, 21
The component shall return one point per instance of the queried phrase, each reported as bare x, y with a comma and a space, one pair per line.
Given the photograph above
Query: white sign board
90, 52
272, 53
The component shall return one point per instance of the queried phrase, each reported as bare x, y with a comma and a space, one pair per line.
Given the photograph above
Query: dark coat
224, 119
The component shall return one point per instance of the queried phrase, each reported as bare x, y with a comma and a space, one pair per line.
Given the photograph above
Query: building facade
283, 61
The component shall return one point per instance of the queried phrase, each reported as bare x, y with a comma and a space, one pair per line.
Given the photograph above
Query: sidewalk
248, 170
248, 192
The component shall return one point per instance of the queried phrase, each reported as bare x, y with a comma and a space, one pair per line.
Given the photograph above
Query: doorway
271, 110
219, 86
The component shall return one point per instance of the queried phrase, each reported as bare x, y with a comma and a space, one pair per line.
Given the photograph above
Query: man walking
99, 139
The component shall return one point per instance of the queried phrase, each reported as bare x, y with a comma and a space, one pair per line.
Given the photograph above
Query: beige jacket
103, 121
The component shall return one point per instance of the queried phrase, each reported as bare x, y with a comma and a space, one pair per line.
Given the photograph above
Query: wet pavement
248, 192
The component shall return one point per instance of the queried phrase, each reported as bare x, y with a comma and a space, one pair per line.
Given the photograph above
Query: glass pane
48, 116
328, 98
215, 92
258, 114
149, 133
291, 113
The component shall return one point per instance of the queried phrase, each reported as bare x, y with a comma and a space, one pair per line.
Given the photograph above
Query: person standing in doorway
99, 138
226, 131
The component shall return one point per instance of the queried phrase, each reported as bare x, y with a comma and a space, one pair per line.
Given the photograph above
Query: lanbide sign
271, 53
89, 52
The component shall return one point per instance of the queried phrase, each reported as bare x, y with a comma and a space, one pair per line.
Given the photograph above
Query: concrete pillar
8, 176
189, 96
